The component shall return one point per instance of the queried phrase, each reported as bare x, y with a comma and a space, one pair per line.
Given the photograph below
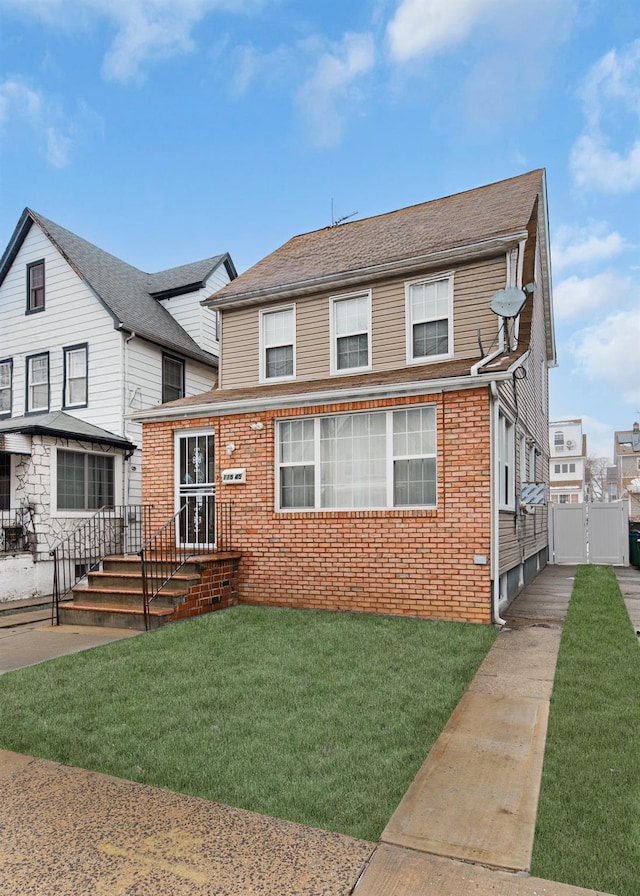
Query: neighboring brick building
626, 457
382, 398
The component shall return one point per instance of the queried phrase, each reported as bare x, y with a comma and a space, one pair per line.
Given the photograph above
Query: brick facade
400, 562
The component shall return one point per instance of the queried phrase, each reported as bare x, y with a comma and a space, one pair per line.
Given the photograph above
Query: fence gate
589, 533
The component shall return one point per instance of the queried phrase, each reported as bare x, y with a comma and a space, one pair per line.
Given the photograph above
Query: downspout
495, 503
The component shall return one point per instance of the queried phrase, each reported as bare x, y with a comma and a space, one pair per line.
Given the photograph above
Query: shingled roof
129, 295
472, 222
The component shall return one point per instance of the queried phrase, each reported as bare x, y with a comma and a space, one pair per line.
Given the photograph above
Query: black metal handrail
119, 529
164, 554
16, 530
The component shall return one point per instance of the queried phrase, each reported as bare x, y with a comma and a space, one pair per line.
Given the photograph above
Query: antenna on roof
336, 221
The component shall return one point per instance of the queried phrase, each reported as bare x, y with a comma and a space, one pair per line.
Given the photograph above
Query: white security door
195, 490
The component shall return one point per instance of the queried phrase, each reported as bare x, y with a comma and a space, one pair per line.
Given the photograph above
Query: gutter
496, 618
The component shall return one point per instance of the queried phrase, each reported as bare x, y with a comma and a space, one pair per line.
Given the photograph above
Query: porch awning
58, 425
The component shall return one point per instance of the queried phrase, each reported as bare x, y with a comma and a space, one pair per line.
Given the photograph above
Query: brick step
132, 581
125, 597
75, 613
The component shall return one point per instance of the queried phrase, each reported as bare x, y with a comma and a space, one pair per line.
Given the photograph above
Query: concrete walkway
465, 826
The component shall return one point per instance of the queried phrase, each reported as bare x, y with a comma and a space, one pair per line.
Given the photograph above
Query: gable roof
128, 294
473, 222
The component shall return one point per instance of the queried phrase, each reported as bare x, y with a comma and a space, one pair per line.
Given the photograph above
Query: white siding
199, 322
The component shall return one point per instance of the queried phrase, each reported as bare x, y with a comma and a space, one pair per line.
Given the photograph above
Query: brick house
381, 402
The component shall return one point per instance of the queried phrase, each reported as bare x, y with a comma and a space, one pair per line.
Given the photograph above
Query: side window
6, 381
506, 447
38, 383
350, 333
277, 344
429, 311
35, 287
172, 378
76, 376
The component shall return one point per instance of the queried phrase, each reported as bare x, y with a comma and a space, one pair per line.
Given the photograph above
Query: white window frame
334, 302
30, 384
506, 462
390, 459
533, 463
8, 364
411, 322
67, 353
264, 346
83, 513
523, 459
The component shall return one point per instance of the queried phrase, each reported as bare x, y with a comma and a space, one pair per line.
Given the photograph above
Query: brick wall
216, 589
404, 562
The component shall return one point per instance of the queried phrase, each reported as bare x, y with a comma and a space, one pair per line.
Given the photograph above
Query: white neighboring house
86, 339
567, 458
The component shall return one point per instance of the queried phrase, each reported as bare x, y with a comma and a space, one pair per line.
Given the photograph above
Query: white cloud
608, 352
426, 26
573, 246
20, 103
606, 157
333, 84
146, 30
575, 296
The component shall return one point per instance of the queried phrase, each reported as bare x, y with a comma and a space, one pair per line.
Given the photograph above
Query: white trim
409, 321
333, 301
83, 513
264, 312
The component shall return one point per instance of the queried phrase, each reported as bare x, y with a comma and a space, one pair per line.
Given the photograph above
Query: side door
195, 489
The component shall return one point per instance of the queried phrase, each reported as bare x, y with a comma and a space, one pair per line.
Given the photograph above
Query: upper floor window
277, 343
38, 382
350, 333
6, 379
75, 376
429, 319
558, 440
172, 378
382, 459
35, 287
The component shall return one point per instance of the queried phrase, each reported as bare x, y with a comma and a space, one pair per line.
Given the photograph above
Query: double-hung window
277, 343
75, 376
429, 310
172, 378
558, 440
382, 459
38, 383
506, 461
35, 287
351, 333
6, 380
84, 481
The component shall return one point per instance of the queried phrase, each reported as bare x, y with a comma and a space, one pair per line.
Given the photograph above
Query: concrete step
24, 612
76, 613
123, 596
132, 581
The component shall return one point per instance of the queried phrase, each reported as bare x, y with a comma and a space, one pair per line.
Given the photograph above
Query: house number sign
236, 476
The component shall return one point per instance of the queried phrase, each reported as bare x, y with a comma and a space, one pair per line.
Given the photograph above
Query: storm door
195, 490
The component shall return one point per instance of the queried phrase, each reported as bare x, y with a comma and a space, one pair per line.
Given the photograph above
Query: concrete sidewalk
465, 826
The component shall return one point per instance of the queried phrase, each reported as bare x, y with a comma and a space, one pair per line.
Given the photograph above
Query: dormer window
35, 287
277, 349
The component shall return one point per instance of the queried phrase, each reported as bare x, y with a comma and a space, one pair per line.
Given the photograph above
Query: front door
195, 490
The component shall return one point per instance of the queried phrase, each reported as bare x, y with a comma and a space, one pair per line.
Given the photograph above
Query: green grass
588, 828
321, 718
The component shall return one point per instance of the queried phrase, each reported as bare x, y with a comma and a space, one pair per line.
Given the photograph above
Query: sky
165, 131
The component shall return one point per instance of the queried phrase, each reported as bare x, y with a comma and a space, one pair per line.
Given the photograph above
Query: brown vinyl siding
473, 284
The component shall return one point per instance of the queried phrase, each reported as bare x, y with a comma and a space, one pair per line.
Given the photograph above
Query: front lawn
321, 718
588, 828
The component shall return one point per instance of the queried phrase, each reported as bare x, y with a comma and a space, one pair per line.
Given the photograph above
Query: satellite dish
508, 302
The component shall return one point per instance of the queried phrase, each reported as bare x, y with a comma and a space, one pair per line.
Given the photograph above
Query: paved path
473, 803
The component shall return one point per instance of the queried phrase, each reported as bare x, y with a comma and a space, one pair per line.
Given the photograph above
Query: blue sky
169, 130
